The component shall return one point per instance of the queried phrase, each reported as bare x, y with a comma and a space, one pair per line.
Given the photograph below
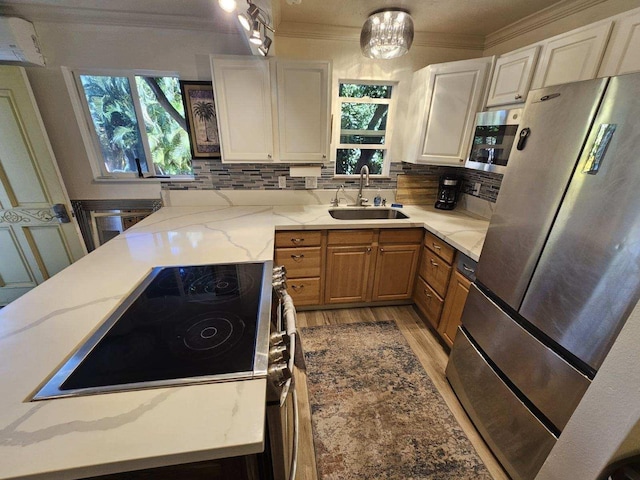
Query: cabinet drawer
435, 271
298, 238
401, 235
350, 237
300, 262
428, 301
304, 291
440, 247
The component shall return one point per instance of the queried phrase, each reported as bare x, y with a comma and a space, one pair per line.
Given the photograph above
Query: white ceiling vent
19, 43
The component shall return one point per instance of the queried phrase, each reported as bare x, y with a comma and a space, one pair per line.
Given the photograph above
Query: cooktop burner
181, 325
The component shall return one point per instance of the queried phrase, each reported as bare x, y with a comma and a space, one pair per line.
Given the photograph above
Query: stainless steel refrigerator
559, 271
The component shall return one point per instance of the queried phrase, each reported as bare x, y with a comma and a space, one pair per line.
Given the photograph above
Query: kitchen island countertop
100, 434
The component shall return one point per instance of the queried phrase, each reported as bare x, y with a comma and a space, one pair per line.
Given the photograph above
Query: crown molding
539, 19
98, 16
352, 34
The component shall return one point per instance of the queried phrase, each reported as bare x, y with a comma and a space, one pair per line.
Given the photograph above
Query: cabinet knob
324, 156
368, 250
269, 156
381, 250
518, 97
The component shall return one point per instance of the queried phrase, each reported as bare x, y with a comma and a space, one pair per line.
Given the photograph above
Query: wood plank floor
432, 356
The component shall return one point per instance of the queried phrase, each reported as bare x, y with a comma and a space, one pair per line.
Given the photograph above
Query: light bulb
227, 5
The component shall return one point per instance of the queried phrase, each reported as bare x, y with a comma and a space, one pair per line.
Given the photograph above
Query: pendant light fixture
387, 34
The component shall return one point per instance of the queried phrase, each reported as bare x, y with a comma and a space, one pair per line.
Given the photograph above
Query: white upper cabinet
303, 110
512, 77
444, 101
572, 56
623, 51
270, 113
243, 105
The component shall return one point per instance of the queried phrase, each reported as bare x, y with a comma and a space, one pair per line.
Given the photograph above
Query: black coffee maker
448, 189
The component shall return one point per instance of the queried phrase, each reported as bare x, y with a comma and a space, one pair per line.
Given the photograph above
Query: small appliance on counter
448, 192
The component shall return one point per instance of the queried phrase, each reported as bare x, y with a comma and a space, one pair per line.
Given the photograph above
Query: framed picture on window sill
201, 117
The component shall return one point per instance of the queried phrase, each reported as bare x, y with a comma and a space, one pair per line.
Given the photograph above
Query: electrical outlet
282, 181
476, 188
310, 182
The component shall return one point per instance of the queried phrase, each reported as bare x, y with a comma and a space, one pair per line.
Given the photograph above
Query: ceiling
471, 17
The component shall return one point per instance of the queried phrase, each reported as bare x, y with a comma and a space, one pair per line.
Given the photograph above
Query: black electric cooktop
182, 324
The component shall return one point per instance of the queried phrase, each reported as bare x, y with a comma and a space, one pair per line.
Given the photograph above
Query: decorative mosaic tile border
214, 175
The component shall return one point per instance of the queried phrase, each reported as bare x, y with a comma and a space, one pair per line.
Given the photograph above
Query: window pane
163, 114
115, 122
353, 90
363, 123
349, 161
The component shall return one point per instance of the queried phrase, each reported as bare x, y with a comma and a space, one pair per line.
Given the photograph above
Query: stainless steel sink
373, 213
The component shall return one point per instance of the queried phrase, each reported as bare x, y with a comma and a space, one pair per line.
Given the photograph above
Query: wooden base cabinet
301, 254
453, 307
371, 265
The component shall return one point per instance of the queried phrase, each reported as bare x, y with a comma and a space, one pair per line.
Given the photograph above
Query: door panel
526, 209
588, 278
14, 269
34, 245
347, 274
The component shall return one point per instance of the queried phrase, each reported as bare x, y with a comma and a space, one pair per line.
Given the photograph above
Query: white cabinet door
303, 110
623, 50
242, 89
572, 56
512, 77
447, 110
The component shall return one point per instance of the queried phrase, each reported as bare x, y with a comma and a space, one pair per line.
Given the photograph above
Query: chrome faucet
336, 201
363, 171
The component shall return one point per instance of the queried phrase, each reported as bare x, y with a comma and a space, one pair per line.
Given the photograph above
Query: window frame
337, 119
87, 127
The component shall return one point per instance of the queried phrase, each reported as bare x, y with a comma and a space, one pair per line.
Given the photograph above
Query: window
364, 127
135, 117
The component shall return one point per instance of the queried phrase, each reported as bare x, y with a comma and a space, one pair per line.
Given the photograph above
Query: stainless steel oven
493, 139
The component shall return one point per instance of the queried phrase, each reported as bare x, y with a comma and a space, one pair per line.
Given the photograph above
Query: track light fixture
253, 20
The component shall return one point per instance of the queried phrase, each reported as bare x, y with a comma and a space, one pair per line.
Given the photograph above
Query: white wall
349, 63
115, 47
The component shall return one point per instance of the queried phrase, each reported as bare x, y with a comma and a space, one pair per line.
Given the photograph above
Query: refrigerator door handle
524, 135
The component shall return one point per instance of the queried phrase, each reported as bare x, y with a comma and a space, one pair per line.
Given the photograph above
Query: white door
33, 244
572, 56
454, 96
242, 93
512, 77
303, 110
623, 49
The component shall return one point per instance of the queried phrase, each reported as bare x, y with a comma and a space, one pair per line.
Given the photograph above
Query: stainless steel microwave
493, 138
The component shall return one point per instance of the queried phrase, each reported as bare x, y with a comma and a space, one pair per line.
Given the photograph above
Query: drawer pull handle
433, 263
467, 269
297, 241
297, 288
427, 294
297, 258
436, 246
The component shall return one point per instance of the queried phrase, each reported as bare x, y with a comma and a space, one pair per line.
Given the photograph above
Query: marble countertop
100, 434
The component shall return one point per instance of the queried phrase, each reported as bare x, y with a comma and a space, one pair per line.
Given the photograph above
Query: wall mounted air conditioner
19, 43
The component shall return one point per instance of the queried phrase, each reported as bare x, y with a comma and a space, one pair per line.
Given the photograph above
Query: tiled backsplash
214, 175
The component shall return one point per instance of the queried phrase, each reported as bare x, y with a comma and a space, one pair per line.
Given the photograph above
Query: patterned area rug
376, 413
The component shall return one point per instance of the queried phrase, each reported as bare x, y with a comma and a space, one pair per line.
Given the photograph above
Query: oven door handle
296, 433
